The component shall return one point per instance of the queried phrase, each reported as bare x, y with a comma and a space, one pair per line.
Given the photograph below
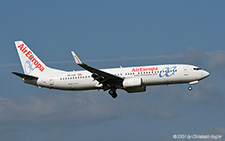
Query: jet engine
133, 85
132, 82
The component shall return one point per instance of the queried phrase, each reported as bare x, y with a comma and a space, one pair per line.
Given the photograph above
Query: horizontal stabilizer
24, 76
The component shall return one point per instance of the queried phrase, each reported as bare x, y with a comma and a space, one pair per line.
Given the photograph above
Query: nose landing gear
113, 93
192, 83
189, 88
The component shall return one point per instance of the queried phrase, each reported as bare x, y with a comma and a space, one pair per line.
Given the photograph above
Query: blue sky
109, 34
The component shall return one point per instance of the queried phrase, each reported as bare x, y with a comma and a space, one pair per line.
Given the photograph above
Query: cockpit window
197, 68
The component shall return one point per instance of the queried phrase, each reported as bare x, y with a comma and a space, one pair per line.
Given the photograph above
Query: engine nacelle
132, 82
133, 85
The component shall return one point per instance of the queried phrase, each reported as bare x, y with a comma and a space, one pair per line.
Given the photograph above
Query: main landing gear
113, 93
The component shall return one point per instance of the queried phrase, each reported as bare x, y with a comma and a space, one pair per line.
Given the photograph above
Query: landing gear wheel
112, 92
189, 88
114, 95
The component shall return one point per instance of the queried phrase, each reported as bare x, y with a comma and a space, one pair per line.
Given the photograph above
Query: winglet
77, 60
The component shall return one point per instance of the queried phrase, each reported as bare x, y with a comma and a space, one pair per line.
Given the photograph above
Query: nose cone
205, 74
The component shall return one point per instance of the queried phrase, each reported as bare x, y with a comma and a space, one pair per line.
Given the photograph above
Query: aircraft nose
205, 74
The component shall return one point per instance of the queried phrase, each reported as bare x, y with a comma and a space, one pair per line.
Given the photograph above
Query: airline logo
144, 69
167, 71
32, 61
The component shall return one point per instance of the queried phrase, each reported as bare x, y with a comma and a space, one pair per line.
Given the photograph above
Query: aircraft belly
73, 85
82, 85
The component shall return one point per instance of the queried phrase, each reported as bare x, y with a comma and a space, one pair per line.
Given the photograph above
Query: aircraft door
51, 80
185, 71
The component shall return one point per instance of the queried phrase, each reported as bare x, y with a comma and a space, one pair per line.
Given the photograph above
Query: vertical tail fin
31, 64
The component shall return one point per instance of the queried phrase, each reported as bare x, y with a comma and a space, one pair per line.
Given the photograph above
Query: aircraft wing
108, 80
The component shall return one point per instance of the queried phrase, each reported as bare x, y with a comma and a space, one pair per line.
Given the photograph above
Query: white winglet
77, 60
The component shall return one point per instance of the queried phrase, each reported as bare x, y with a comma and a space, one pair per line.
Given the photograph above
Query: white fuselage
150, 75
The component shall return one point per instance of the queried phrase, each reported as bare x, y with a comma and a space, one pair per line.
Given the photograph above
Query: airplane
131, 79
